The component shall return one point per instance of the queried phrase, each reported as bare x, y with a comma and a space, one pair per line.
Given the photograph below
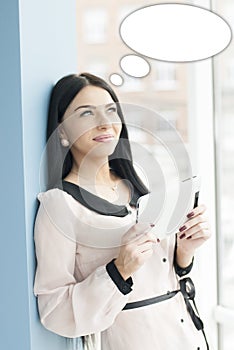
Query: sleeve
122, 285
181, 271
67, 307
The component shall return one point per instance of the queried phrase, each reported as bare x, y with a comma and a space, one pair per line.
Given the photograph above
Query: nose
103, 121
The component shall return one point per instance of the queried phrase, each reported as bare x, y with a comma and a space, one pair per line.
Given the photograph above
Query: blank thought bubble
135, 66
175, 32
116, 79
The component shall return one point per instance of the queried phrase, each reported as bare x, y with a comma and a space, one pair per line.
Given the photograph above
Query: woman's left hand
194, 232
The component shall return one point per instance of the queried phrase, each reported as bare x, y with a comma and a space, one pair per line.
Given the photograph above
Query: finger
146, 254
200, 209
138, 236
144, 246
143, 238
198, 228
205, 234
143, 256
147, 237
135, 231
193, 222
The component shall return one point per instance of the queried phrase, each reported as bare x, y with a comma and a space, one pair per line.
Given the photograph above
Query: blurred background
197, 99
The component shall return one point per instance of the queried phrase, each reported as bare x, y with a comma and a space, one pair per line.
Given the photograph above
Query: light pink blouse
76, 295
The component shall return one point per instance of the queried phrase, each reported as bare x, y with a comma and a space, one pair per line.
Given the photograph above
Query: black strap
187, 289
150, 301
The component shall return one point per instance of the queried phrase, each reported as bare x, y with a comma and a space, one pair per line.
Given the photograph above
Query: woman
93, 260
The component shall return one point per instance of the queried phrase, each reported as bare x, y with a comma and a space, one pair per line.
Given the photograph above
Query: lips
104, 138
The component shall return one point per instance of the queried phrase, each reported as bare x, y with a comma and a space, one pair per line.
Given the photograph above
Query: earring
64, 142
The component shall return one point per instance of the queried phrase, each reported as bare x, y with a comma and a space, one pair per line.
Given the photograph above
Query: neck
92, 172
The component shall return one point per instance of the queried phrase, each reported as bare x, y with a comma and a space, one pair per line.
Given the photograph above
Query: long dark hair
62, 95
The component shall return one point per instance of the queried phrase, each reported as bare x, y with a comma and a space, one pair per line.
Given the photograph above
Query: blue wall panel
38, 46
14, 316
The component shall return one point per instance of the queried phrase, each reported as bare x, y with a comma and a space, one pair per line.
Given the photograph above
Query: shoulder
51, 195
57, 201
56, 198
55, 214
61, 203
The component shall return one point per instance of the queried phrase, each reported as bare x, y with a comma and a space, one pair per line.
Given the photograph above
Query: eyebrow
90, 106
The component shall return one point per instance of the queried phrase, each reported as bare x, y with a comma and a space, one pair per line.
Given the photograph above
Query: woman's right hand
136, 248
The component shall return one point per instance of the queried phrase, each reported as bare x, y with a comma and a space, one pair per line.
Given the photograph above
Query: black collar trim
98, 204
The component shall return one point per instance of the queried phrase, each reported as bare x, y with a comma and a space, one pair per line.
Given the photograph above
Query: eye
112, 109
86, 113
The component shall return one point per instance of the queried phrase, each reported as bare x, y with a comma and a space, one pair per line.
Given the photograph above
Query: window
224, 104
131, 84
95, 22
98, 68
165, 77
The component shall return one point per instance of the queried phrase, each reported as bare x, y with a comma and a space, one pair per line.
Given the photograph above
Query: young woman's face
91, 122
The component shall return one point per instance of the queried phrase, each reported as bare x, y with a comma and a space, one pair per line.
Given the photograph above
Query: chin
103, 149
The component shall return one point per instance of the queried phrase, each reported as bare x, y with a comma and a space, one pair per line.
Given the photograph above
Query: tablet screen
168, 208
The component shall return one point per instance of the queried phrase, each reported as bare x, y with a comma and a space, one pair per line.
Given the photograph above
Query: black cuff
123, 286
182, 271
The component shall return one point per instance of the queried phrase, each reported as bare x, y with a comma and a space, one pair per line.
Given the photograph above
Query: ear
61, 131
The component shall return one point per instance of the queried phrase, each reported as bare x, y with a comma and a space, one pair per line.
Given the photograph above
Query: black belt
187, 289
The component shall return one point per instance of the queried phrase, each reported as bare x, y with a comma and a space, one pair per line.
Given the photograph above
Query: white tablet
168, 207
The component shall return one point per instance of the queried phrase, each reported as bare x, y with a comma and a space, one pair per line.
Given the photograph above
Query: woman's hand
192, 235
136, 248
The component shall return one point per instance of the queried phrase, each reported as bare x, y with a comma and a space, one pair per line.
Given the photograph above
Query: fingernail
152, 225
190, 214
182, 228
189, 237
182, 236
158, 240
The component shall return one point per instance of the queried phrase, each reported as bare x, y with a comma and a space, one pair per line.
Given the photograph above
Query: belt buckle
187, 288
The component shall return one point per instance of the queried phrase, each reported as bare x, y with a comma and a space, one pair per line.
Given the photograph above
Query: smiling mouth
104, 138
